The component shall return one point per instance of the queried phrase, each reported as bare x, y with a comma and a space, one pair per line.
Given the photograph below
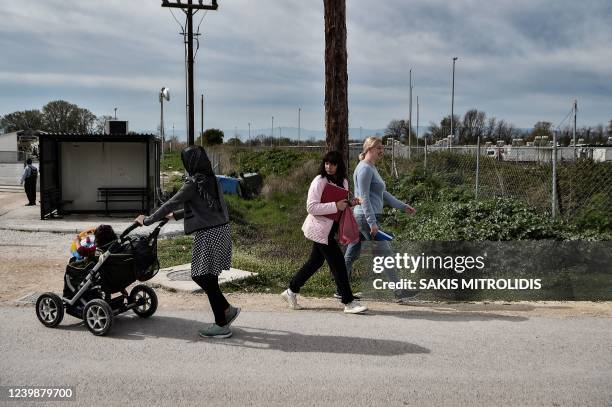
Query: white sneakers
291, 298
354, 307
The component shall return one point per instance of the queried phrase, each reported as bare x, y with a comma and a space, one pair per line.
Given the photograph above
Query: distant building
17, 146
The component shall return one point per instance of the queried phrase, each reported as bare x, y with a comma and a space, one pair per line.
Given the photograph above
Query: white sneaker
354, 307
291, 298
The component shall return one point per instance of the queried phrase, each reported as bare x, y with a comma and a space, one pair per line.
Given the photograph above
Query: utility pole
249, 133
299, 125
575, 111
202, 122
190, 9
417, 126
410, 118
453, 100
555, 204
336, 78
191, 114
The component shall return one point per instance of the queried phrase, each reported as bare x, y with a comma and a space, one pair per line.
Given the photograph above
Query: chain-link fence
577, 184
267, 231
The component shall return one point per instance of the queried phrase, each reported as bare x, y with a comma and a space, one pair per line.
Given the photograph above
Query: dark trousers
30, 189
333, 255
218, 303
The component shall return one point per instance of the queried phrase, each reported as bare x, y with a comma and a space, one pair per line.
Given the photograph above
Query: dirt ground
39, 268
35, 262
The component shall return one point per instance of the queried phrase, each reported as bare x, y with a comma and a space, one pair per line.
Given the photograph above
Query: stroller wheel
98, 317
146, 299
50, 309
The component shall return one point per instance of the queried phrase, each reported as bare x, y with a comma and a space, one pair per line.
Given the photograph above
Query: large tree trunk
336, 77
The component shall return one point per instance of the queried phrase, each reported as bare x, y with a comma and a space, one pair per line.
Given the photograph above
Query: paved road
317, 358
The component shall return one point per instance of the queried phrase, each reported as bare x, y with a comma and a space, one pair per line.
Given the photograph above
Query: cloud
519, 60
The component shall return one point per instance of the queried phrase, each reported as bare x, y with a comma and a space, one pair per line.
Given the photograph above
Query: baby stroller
90, 283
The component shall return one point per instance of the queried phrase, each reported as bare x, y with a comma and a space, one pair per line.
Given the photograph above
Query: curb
73, 230
162, 278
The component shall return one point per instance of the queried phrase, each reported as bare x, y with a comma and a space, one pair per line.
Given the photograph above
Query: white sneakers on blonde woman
354, 307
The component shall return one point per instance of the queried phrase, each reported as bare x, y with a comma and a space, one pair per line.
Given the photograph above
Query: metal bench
122, 194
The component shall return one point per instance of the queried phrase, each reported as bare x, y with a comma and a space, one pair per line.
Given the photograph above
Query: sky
519, 60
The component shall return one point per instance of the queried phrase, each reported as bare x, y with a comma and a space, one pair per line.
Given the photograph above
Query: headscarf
200, 172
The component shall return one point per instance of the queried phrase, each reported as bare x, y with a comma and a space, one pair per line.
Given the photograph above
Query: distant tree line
269, 141
64, 117
476, 124
58, 116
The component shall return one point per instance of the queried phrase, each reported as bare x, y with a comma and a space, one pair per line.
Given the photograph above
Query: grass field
267, 236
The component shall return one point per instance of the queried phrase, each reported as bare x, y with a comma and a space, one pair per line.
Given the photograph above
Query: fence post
554, 175
477, 166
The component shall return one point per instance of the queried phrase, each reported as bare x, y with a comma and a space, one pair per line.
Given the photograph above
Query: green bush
596, 214
172, 162
270, 162
421, 186
496, 219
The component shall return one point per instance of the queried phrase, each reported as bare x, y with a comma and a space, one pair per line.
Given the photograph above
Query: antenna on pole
164, 93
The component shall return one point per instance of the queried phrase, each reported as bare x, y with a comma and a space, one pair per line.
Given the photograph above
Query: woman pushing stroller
206, 215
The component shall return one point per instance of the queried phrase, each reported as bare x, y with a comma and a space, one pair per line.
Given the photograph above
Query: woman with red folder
327, 198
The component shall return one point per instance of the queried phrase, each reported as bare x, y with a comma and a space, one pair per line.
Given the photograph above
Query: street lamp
452, 130
163, 94
299, 125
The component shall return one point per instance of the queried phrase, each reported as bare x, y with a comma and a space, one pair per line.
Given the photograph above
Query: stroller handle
128, 230
136, 225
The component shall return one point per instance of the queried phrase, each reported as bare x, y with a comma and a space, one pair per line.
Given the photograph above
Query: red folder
332, 193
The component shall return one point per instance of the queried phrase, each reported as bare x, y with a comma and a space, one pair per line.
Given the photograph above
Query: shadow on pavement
134, 328
449, 315
287, 341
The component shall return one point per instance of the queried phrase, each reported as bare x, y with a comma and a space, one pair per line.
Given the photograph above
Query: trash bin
229, 185
251, 184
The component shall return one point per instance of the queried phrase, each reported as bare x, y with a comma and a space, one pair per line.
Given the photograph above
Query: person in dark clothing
205, 213
29, 177
322, 231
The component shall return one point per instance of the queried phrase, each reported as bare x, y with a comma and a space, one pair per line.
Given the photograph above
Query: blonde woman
370, 187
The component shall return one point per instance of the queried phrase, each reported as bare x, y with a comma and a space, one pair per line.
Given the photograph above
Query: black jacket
196, 212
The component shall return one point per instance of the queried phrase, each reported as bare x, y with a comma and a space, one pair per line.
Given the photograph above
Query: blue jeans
379, 248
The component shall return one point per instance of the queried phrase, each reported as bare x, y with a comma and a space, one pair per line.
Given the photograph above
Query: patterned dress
212, 251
